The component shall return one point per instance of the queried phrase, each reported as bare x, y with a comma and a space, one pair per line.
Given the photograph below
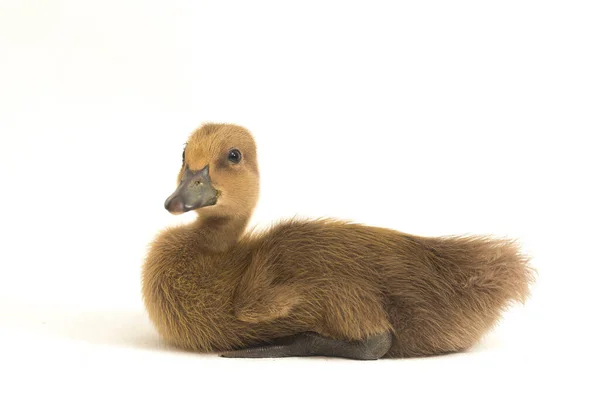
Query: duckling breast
189, 295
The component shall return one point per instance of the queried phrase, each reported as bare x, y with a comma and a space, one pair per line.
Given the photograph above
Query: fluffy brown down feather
208, 286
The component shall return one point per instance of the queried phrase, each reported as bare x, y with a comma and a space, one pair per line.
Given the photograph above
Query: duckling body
209, 286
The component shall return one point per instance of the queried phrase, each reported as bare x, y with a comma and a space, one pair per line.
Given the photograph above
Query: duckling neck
220, 233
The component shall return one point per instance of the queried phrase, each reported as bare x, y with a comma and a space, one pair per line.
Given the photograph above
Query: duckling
312, 287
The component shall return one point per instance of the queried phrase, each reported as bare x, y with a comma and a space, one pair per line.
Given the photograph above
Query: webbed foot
311, 344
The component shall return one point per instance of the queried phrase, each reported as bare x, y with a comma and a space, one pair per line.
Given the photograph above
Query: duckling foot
309, 344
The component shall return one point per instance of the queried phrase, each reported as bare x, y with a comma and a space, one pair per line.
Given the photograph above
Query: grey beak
194, 191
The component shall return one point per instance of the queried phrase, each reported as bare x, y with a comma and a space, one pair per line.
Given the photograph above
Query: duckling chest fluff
208, 286
190, 295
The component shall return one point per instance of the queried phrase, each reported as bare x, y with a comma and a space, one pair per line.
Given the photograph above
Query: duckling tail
493, 266
468, 282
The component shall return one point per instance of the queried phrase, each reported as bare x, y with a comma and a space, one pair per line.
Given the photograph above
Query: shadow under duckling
320, 287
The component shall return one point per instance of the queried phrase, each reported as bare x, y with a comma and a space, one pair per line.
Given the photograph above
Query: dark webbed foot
311, 344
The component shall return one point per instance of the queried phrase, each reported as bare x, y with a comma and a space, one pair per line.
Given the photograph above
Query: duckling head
219, 173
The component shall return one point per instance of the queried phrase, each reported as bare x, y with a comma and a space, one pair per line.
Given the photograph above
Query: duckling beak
195, 191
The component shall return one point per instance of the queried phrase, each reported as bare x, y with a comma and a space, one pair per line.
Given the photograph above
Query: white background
430, 117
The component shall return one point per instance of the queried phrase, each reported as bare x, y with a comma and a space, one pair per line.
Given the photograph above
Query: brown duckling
319, 287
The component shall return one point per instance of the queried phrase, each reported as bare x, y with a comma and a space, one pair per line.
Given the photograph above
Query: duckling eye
234, 156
